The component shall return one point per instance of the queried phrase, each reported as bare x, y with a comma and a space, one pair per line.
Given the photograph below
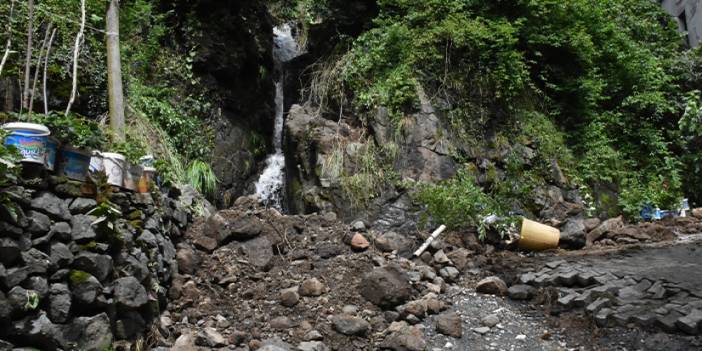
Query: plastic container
52, 147
114, 165
97, 163
132, 177
74, 163
537, 236
30, 139
148, 176
147, 161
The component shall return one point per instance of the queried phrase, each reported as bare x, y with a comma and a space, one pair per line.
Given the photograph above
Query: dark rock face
386, 287
235, 60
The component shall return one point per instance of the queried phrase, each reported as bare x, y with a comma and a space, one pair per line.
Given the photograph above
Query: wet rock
392, 241
289, 297
59, 303
386, 287
604, 228
82, 229
9, 251
82, 205
38, 331
129, 293
60, 256
39, 223
690, 323
90, 333
312, 287
451, 274
61, 231
521, 292
572, 234
492, 285
100, 266
359, 242
84, 287
449, 324
210, 337
51, 205
350, 325
35, 261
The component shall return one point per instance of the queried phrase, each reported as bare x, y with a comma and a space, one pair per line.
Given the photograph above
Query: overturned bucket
536, 236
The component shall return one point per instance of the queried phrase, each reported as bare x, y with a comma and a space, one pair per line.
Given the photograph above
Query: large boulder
386, 287
129, 293
573, 234
607, 226
51, 205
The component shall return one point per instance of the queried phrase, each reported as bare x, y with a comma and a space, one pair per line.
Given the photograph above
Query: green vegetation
76, 277
201, 177
598, 87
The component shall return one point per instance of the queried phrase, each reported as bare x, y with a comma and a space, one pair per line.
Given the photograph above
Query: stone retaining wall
66, 284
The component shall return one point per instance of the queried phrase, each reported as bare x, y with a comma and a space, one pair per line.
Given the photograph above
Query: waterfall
271, 182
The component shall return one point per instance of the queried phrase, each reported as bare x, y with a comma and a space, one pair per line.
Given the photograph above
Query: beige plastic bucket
537, 236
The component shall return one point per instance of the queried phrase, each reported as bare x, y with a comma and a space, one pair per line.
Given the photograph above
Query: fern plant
201, 177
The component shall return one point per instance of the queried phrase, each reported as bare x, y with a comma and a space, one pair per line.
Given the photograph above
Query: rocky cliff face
234, 59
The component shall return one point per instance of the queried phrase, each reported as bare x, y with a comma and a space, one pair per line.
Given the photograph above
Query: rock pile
65, 284
275, 282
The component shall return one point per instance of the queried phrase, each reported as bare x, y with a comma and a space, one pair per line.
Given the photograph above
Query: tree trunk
46, 71
114, 74
28, 57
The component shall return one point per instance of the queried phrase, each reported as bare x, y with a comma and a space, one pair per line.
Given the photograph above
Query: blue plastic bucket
74, 164
52, 146
30, 139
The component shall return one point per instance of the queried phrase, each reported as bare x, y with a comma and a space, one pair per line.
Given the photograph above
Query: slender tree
44, 43
114, 73
76, 52
46, 71
8, 45
28, 57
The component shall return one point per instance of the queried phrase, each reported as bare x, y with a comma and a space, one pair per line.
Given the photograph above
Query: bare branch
28, 56
46, 70
76, 52
8, 45
36, 70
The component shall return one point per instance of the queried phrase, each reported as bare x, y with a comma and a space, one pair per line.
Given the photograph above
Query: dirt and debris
276, 282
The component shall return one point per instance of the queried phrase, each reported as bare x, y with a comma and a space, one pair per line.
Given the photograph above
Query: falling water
270, 184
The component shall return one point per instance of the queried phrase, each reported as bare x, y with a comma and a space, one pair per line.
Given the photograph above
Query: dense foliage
167, 108
598, 86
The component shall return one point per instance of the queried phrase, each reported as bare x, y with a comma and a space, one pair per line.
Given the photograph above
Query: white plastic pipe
431, 238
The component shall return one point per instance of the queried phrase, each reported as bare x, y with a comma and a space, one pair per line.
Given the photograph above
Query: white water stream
270, 184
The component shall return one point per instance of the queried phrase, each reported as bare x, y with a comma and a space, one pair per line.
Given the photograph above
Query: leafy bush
201, 177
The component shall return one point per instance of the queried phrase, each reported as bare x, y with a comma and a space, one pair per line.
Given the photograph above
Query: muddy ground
234, 289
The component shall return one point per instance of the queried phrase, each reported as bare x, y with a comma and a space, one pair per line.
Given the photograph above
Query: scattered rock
490, 320
312, 287
289, 297
359, 242
450, 324
210, 337
406, 338
449, 273
350, 325
392, 241
481, 330
386, 287
521, 292
492, 285
281, 323
187, 260
311, 346
358, 226
604, 228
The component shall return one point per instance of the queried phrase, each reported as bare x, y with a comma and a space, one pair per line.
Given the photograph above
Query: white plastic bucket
97, 163
114, 165
30, 139
147, 161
